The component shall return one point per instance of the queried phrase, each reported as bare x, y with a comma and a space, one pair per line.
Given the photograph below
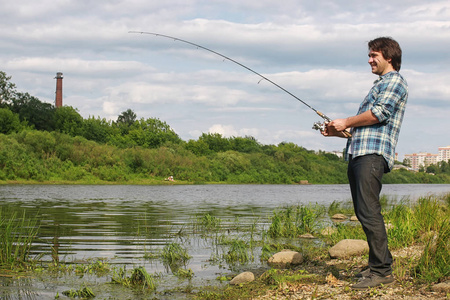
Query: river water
124, 223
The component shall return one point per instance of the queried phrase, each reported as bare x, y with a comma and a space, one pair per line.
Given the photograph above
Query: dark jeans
364, 174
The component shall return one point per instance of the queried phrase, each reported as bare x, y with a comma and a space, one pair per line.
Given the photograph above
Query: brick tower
58, 97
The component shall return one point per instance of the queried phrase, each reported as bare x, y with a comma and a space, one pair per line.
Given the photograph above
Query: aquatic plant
295, 220
208, 222
98, 267
16, 237
238, 252
84, 293
173, 255
139, 278
183, 273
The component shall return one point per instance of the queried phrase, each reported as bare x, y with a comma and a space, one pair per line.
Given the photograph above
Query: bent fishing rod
317, 125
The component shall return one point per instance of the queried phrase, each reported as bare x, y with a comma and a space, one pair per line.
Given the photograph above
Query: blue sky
315, 49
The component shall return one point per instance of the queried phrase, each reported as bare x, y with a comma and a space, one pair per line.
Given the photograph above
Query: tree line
43, 143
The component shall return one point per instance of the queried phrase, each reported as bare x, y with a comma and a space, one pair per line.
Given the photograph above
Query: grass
139, 279
293, 221
337, 207
16, 237
435, 261
238, 252
84, 293
174, 256
209, 222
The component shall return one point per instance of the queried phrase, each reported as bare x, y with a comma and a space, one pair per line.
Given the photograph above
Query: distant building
338, 153
423, 159
444, 153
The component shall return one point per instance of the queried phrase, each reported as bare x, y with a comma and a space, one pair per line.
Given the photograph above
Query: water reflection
125, 223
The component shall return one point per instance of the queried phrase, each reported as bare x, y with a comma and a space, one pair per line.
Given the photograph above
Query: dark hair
390, 50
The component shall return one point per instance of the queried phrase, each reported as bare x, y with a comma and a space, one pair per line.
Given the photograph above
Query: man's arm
335, 127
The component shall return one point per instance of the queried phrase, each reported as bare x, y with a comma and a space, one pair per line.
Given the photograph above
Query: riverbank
332, 279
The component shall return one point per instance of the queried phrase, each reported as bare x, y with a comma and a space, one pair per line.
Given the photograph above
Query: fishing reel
319, 126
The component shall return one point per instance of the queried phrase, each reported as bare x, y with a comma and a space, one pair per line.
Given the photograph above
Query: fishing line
326, 118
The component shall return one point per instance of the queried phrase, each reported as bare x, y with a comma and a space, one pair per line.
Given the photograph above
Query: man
371, 152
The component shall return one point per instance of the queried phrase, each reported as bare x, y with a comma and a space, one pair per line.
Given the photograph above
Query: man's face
379, 64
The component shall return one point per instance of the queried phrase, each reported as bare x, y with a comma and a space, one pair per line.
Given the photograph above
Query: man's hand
331, 129
338, 125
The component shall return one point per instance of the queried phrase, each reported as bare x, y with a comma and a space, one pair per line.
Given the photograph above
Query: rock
339, 217
348, 248
243, 278
354, 218
307, 236
285, 259
443, 287
328, 231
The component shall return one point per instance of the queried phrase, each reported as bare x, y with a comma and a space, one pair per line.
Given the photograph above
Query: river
124, 223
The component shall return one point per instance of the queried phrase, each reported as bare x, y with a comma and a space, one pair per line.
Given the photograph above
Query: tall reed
434, 263
16, 237
174, 255
295, 220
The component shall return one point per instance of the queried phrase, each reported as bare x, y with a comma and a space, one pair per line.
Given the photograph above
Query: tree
127, 117
68, 120
125, 120
9, 121
7, 89
216, 142
152, 133
247, 144
97, 129
36, 113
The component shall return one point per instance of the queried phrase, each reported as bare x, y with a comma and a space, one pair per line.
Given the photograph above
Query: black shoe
372, 281
364, 273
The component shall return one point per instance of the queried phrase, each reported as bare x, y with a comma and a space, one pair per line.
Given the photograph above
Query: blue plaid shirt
386, 100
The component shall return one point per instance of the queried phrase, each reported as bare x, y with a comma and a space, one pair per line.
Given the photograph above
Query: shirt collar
384, 76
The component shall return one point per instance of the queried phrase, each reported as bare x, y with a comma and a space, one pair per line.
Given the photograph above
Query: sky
317, 50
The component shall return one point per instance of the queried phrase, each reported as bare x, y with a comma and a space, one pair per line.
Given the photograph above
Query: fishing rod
317, 125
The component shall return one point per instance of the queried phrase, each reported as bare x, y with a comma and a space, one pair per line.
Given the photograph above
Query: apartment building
424, 159
444, 153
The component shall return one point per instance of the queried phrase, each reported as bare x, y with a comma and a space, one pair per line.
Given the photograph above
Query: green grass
83, 293
16, 237
139, 278
174, 256
293, 221
238, 252
208, 222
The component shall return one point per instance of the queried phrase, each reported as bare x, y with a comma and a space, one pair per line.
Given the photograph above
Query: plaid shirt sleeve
386, 99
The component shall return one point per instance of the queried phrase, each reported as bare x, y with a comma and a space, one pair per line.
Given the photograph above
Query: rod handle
347, 134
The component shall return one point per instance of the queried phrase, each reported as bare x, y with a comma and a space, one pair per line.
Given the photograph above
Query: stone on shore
328, 231
339, 217
307, 236
242, 278
285, 258
348, 248
443, 287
